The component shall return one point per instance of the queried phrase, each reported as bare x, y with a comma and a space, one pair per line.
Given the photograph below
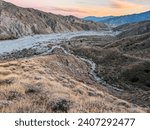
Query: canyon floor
75, 72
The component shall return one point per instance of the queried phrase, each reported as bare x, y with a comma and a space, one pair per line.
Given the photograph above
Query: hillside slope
131, 29
16, 21
123, 61
54, 87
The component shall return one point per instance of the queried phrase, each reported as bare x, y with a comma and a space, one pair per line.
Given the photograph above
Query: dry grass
49, 84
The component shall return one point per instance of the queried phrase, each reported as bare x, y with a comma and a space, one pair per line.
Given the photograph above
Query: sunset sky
82, 8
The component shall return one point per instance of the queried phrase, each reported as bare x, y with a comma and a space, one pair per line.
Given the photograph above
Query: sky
83, 8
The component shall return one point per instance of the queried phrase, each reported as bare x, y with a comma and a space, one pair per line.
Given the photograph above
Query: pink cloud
124, 4
67, 10
64, 11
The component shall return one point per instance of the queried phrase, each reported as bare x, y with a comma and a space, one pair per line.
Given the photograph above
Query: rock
91, 93
58, 51
59, 105
33, 89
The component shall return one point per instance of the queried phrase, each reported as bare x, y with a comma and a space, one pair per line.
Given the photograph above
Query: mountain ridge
120, 20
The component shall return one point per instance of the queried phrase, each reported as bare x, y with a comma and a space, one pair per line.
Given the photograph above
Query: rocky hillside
16, 21
133, 29
92, 73
123, 62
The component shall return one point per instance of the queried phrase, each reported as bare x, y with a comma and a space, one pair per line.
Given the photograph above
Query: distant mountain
97, 19
120, 20
16, 22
